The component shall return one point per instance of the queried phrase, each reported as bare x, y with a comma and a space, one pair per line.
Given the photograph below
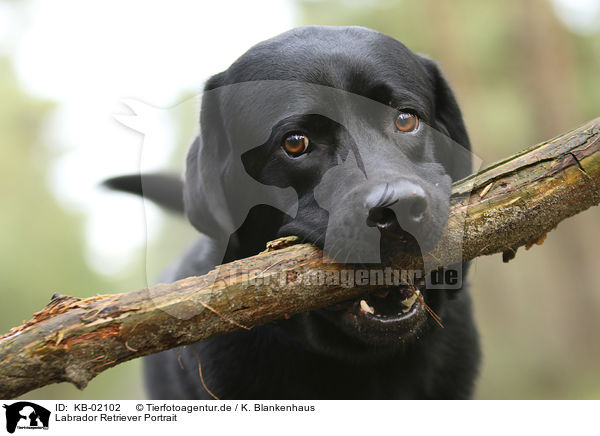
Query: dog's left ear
449, 121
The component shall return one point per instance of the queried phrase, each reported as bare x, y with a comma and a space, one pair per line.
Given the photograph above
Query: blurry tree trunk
547, 67
548, 83
448, 37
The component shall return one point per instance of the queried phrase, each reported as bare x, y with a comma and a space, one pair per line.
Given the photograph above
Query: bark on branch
510, 204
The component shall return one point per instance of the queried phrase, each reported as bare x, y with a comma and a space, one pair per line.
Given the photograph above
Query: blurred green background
523, 72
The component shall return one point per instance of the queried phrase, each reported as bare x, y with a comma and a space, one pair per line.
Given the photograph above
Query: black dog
349, 141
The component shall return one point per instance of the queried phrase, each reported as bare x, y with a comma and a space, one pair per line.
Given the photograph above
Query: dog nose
402, 203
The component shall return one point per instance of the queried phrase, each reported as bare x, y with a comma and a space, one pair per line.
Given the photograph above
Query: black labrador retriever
346, 139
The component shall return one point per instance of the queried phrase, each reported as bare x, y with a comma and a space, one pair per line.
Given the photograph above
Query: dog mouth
388, 304
387, 316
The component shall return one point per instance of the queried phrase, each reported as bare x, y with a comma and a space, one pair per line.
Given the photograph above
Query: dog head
343, 137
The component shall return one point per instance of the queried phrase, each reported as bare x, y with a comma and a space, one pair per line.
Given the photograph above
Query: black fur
319, 354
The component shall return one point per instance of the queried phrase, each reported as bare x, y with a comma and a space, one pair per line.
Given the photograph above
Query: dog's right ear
206, 204
218, 190
201, 192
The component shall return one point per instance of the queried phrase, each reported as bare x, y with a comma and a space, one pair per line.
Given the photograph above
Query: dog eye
407, 122
295, 145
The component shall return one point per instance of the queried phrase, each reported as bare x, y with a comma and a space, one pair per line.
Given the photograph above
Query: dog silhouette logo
369, 199
26, 415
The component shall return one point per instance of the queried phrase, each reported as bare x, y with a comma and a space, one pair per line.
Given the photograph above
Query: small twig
434, 315
201, 377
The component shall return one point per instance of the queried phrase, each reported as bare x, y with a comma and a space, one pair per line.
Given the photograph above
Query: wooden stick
508, 205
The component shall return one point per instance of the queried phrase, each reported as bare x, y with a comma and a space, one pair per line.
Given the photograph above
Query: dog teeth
408, 303
364, 306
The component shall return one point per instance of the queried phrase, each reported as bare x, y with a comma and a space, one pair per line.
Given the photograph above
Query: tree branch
508, 205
